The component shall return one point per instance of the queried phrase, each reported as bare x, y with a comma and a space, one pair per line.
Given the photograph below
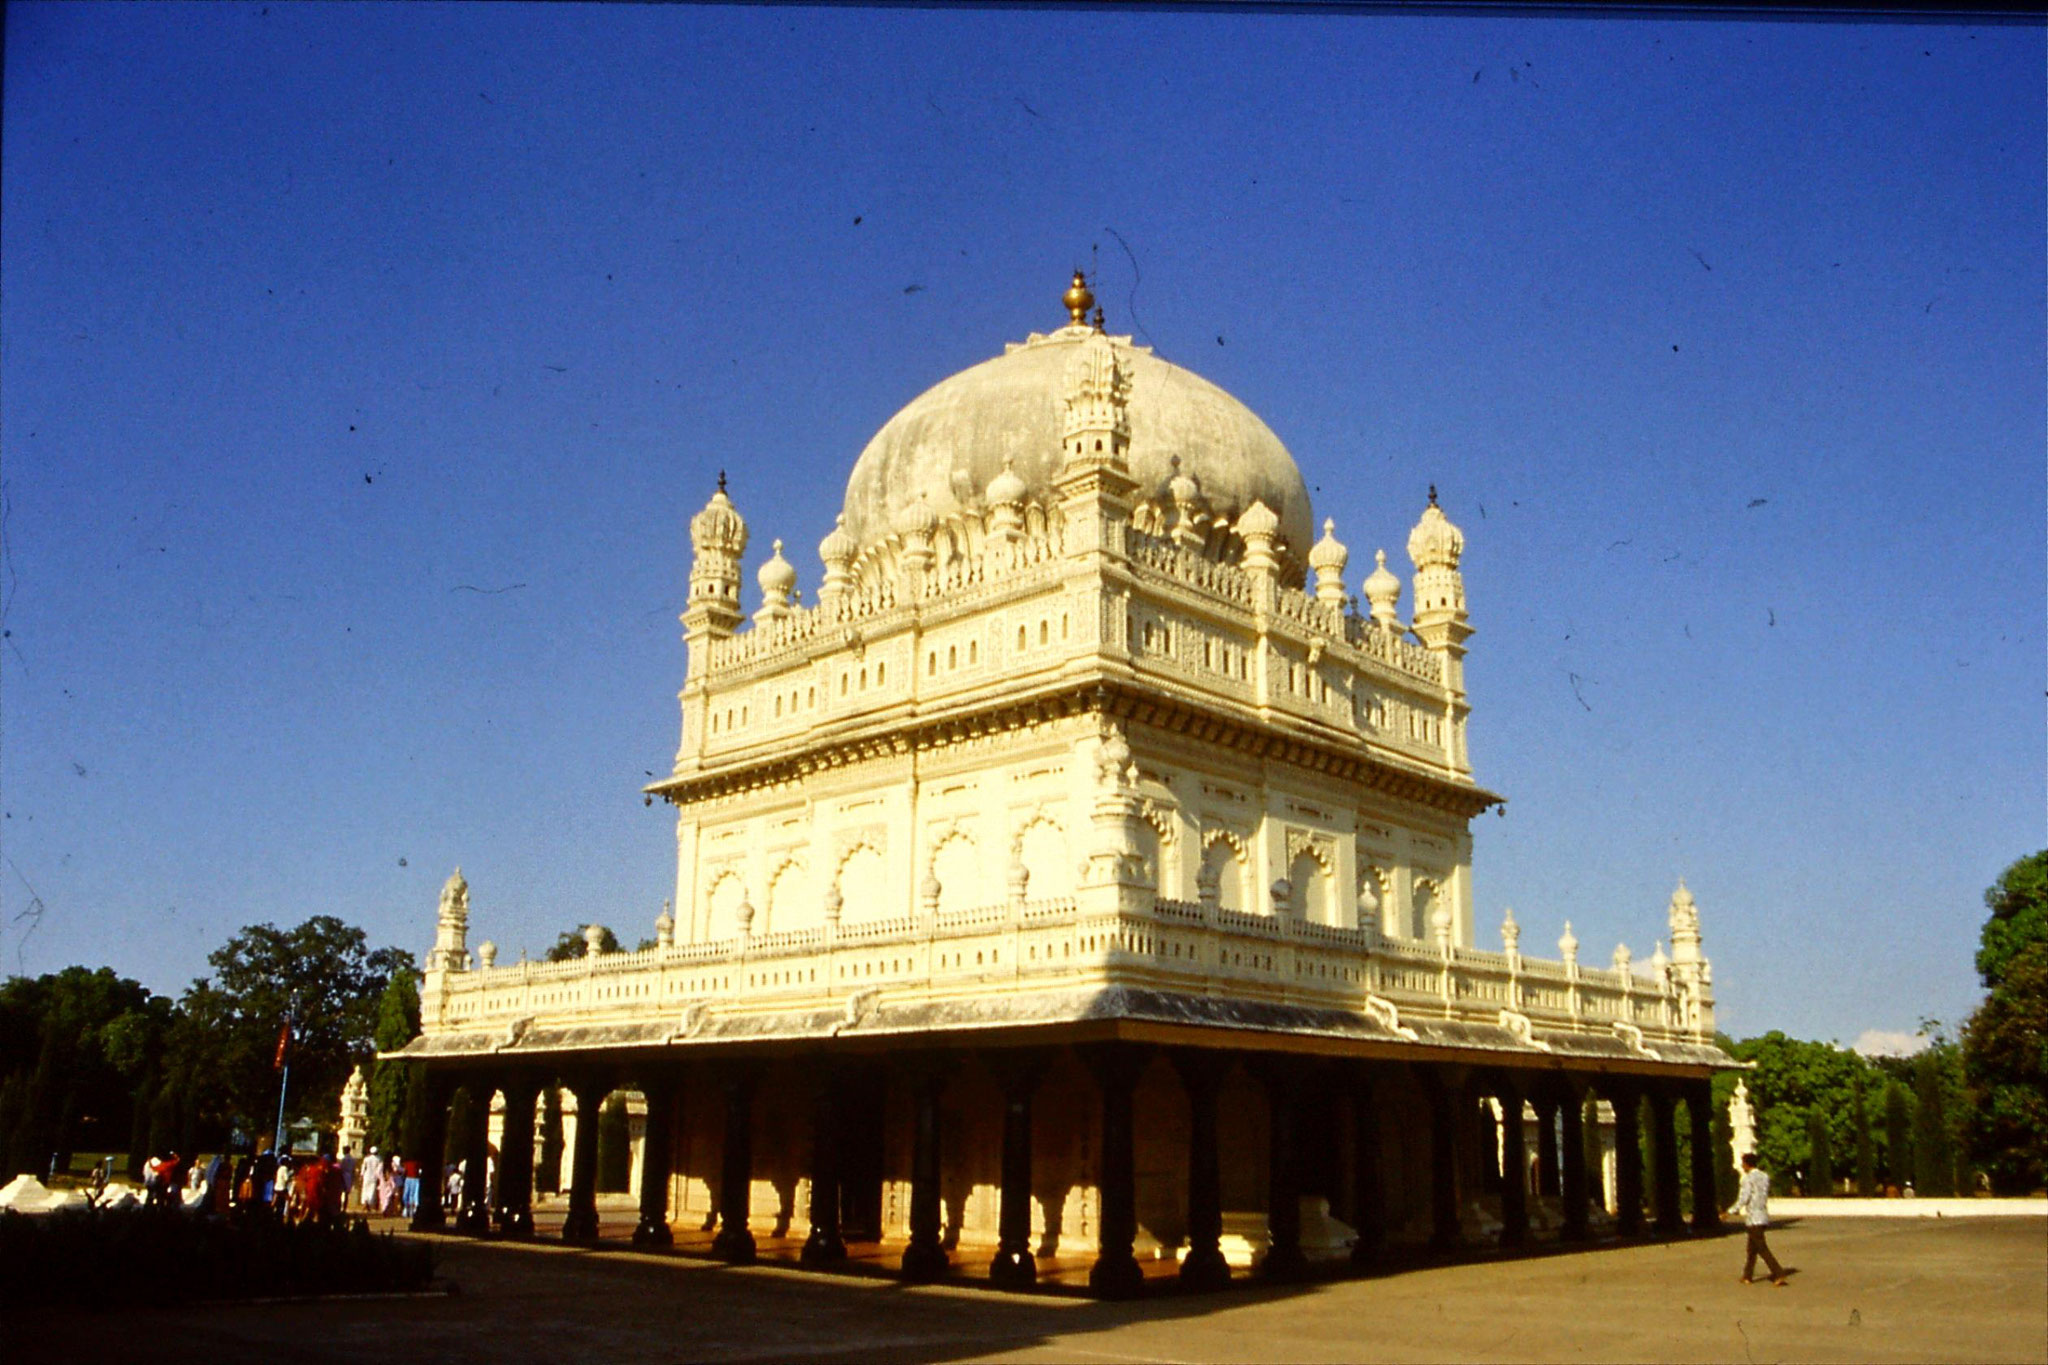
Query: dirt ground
1864, 1290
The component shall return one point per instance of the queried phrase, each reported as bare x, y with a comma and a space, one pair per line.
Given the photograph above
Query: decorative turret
920, 524
1259, 529
1097, 426
1383, 594
1692, 976
837, 550
1190, 509
1435, 546
778, 586
1510, 934
593, 940
1568, 946
664, 928
451, 927
719, 537
1328, 559
1006, 494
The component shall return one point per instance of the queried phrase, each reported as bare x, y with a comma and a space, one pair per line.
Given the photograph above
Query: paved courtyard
1866, 1289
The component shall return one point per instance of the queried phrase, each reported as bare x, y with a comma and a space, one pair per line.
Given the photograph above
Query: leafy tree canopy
232, 1019
2018, 902
571, 945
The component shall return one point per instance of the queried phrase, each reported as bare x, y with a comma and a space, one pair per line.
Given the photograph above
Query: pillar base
1707, 1224
1013, 1269
1283, 1263
734, 1246
1204, 1269
1366, 1255
652, 1232
474, 1222
580, 1226
1514, 1239
823, 1248
1568, 1233
423, 1221
517, 1226
1116, 1276
924, 1262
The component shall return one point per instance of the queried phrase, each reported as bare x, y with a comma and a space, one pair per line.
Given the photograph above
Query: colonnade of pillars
1448, 1090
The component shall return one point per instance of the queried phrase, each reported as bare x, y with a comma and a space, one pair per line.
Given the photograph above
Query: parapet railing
1020, 946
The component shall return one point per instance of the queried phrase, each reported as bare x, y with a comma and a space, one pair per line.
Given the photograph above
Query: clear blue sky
363, 365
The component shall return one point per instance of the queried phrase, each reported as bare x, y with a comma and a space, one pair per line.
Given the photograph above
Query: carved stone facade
1070, 755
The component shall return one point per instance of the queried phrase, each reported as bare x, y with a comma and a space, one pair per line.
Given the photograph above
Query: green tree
81, 1042
1898, 1135
2018, 902
1820, 1157
547, 1178
572, 945
226, 1056
614, 1147
463, 1117
398, 1023
1866, 1164
1934, 1161
1795, 1077
2005, 1043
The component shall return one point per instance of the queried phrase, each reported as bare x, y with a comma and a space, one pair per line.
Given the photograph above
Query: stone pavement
1874, 1290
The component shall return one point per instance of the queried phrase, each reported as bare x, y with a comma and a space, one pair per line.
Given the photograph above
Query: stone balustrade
1037, 946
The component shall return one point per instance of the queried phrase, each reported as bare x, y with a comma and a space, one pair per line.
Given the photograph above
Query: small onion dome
664, 923
1185, 488
920, 520
1382, 588
1622, 957
1078, 300
487, 953
1258, 520
719, 526
1006, 488
1658, 960
1329, 552
837, 547
1568, 944
778, 576
1435, 543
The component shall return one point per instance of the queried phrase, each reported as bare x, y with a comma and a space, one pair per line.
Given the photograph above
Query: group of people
390, 1185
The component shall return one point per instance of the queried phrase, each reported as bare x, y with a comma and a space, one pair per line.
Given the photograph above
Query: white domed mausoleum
1078, 885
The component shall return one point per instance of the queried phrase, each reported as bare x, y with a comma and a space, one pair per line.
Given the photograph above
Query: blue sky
363, 365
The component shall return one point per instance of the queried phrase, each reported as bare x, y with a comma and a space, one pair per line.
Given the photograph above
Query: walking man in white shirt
1752, 1201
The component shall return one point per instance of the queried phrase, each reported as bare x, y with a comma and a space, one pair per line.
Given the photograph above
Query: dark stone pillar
1706, 1162
1116, 1066
1445, 1093
1514, 1161
925, 1258
515, 1158
824, 1245
1628, 1161
1368, 1196
735, 1242
657, 1145
1283, 1078
1572, 1173
431, 1138
580, 1225
1664, 1151
1546, 1144
1018, 1075
1201, 1076
473, 1216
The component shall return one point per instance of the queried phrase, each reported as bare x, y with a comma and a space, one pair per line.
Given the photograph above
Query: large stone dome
952, 440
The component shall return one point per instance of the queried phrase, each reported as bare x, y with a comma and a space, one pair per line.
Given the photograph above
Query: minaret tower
719, 537
1094, 481
1440, 623
451, 927
1691, 974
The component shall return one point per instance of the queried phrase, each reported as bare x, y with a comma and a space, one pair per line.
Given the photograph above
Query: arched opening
791, 905
1311, 882
863, 886
956, 864
721, 918
1224, 868
1043, 848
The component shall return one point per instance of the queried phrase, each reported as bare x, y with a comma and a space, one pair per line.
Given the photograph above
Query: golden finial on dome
1078, 300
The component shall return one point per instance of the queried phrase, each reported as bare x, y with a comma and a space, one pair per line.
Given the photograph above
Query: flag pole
285, 1085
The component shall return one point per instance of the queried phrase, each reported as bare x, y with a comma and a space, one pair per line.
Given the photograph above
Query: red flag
284, 1045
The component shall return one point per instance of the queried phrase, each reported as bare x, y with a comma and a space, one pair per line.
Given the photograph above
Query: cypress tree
614, 1147
463, 1116
1866, 1165
413, 1124
1898, 1135
548, 1177
1820, 1163
1934, 1160
12, 1107
398, 1023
